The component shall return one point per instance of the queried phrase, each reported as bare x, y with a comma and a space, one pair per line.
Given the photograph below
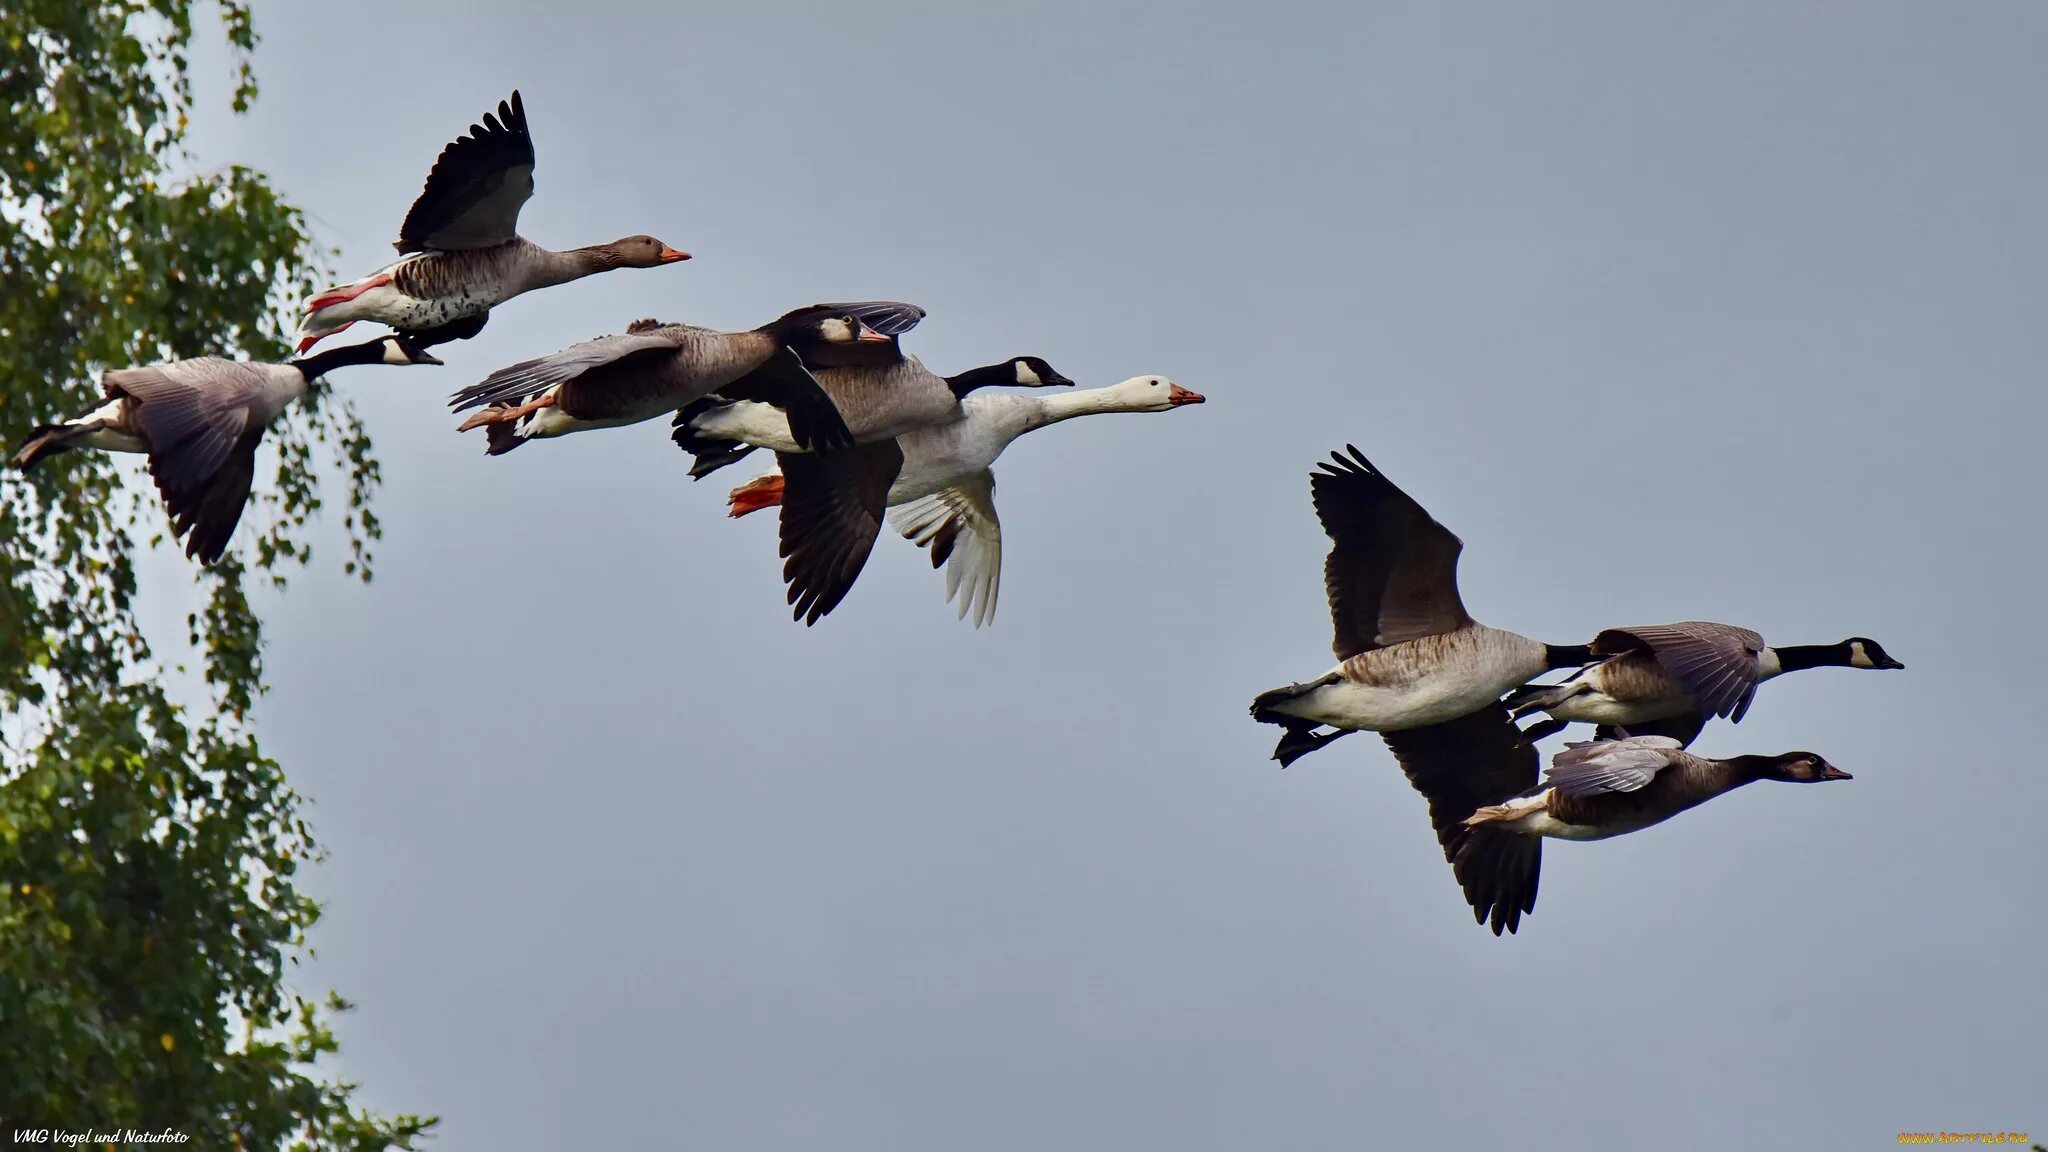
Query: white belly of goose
1535, 820
749, 422
1600, 708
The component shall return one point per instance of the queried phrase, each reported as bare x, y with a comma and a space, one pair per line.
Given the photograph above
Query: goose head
641, 252
1802, 768
816, 325
1150, 394
1863, 652
1033, 372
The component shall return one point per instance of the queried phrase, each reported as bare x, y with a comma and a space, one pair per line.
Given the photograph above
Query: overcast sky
1669, 311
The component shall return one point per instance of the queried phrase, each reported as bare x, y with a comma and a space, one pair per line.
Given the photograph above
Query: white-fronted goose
460, 250
654, 368
944, 496
1669, 679
200, 422
1593, 791
833, 502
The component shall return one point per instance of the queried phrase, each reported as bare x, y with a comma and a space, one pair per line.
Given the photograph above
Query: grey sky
1671, 312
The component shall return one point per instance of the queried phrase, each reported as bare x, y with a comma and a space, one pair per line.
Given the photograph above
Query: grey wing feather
191, 413
1717, 663
509, 385
1590, 768
889, 317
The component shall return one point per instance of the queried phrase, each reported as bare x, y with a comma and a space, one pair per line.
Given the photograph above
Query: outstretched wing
192, 413
960, 527
1716, 663
477, 187
1392, 572
889, 317
1463, 765
832, 506
509, 385
1596, 766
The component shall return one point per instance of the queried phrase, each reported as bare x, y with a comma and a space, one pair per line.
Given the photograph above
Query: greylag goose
460, 252
654, 368
944, 496
833, 502
1592, 791
200, 422
1669, 679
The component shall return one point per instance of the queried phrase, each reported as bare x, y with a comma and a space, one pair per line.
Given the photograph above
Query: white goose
943, 498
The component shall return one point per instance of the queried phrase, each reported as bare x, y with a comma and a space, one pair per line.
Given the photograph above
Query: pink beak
870, 336
1180, 396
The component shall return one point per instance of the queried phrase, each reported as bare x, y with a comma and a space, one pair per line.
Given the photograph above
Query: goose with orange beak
461, 254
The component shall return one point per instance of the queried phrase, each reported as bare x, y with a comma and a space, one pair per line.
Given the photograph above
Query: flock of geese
862, 431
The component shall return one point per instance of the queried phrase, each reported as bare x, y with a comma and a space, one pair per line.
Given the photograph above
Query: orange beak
670, 255
1180, 396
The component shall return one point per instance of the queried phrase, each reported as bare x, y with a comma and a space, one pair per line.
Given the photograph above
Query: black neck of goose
1796, 656
1739, 770
986, 376
1567, 655
320, 363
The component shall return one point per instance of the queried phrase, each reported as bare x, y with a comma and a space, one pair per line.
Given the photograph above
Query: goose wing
193, 414
1596, 766
529, 377
832, 505
477, 186
814, 420
889, 317
1392, 572
1460, 766
1715, 663
960, 527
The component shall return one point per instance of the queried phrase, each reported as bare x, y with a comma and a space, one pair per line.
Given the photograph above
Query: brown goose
1669, 679
833, 502
200, 421
460, 250
1593, 791
655, 368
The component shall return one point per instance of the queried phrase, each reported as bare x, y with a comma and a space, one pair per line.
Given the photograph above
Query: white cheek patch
1858, 658
1026, 376
835, 331
393, 354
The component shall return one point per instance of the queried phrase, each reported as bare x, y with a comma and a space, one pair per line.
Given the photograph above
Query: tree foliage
148, 848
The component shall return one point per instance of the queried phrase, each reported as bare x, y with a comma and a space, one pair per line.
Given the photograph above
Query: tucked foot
1299, 742
506, 414
756, 494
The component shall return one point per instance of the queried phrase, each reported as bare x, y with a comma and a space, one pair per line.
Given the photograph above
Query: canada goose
1414, 667
1668, 679
200, 422
655, 368
1592, 791
833, 502
460, 251
1409, 656
944, 496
